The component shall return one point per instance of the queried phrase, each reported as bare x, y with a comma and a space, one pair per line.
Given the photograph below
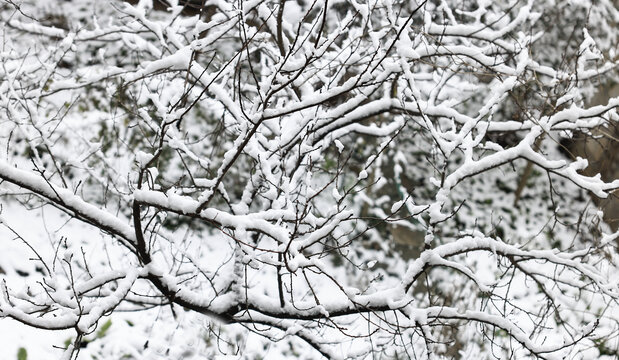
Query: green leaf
101, 333
22, 354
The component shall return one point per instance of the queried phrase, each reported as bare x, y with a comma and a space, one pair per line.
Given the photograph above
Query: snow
359, 172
